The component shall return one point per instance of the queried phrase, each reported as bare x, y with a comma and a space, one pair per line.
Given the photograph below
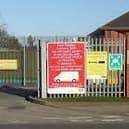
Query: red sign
66, 67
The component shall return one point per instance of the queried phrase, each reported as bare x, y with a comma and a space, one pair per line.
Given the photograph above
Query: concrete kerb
39, 101
35, 100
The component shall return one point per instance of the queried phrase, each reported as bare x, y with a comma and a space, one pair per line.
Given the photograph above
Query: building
117, 28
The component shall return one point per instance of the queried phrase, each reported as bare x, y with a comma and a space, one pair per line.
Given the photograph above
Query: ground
17, 113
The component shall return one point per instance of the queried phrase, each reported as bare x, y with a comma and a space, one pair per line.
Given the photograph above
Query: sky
58, 17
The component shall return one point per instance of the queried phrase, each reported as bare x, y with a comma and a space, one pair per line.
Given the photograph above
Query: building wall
127, 62
113, 34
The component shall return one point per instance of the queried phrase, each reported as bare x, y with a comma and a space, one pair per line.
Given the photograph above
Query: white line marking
82, 121
75, 120
112, 120
111, 116
51, 118
81, 117
89, 120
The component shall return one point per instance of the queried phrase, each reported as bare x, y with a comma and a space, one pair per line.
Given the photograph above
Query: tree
8, 41
13, 43
30, 41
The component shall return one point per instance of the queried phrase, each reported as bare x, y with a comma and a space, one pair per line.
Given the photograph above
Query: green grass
88, 99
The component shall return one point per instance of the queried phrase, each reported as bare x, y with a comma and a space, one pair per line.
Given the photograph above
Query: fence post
24, 78
43, 70
42, 88
38, 68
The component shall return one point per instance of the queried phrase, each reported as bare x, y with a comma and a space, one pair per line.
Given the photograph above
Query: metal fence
26, 74
26, 57
9, 77
114, 84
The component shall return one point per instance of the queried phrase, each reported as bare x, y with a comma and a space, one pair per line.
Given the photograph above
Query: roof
120, 23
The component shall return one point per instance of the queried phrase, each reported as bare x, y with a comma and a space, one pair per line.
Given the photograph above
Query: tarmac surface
18, 113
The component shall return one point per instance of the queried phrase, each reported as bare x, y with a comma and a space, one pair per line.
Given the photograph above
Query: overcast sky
58, 17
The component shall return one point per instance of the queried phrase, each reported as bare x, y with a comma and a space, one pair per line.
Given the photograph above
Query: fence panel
112, 85
26, 72
113, 82
8, 76
31, 65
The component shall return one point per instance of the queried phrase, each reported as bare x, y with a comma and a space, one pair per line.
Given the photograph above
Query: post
24, 78
39, 71
38, 68
43, 70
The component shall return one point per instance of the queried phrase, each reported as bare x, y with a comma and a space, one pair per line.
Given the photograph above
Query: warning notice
65, 66
97, 65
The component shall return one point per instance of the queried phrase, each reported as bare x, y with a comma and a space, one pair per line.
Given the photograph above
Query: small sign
97, 65
8, 64
115, 62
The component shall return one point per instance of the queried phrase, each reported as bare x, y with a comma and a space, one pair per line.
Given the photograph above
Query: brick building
117, 28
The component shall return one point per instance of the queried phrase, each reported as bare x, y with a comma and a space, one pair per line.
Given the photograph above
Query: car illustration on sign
67, 76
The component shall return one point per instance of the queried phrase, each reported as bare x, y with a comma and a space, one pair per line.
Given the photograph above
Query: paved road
18, 113
66, 126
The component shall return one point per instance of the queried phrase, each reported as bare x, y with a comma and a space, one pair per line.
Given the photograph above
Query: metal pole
125, 65
43, 70
24, 78
38, 70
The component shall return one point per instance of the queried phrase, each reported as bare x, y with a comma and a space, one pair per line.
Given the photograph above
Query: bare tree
30, 41
7, 41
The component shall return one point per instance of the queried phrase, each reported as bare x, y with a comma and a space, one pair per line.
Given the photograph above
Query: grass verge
88, 99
